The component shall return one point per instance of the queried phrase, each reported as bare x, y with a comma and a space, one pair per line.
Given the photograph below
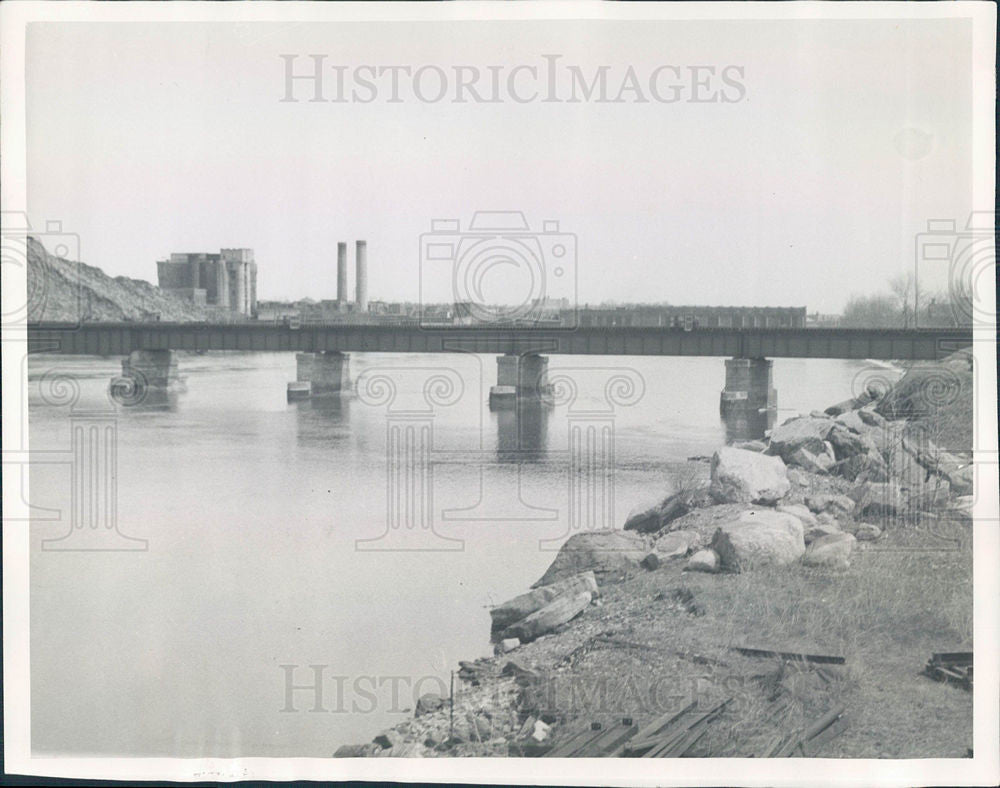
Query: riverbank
846, 534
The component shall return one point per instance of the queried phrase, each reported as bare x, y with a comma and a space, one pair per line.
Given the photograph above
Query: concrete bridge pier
157, 367
520, 377
320, 374
145, 373
749, 401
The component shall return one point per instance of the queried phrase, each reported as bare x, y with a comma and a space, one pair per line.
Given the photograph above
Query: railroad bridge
323, 349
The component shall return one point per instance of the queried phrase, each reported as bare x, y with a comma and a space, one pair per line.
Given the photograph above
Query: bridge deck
107, 339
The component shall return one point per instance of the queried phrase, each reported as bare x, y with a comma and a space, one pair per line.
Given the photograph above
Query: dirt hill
62, 290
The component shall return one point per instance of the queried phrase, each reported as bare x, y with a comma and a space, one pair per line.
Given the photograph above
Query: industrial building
227, 280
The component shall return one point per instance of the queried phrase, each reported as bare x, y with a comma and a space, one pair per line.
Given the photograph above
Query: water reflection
741, 426
156, 399
522, 431
320, 420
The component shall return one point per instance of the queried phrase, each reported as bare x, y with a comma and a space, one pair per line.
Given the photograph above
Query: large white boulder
759, 537
740, 476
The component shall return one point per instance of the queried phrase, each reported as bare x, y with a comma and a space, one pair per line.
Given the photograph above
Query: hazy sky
146, 139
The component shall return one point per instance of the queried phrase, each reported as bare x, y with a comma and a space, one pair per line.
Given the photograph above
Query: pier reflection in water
522, 431
322, 421
153, 399
743, 426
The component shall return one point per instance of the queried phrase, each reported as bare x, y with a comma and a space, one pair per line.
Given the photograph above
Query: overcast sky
845, 139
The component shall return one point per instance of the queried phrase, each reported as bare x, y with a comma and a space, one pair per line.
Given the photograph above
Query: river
267, 546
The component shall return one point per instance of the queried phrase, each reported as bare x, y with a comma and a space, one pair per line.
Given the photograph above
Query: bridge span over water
748, 401
844, 343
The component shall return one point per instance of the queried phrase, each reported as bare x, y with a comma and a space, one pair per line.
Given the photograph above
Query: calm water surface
253, 507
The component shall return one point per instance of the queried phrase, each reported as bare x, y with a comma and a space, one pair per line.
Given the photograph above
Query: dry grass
896, 604
895, 595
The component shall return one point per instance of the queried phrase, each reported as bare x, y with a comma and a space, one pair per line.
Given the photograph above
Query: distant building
227, 279
700, 316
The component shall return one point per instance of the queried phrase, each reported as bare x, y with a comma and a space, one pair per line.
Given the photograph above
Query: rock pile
864, 447
805, 496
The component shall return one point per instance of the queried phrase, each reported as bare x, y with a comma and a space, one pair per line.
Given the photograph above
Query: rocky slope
62, 290
846, 533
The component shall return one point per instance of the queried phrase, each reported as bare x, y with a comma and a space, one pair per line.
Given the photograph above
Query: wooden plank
952, 657
614, 741
610, 740
575, 743
789, 655
684, 726
659, 725
680, 749
696, 729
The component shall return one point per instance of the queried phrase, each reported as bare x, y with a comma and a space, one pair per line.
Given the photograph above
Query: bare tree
901, 286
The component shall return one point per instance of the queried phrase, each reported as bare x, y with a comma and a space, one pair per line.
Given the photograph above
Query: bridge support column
320, 374
519, 377
148, 378
749, 401
157, 367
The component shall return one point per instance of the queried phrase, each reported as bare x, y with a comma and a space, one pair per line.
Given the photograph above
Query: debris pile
951, 666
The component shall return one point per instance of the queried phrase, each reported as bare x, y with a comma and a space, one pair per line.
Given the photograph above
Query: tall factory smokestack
342, 273
361, 275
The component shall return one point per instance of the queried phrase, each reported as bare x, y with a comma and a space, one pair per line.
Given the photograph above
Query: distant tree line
896, 308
